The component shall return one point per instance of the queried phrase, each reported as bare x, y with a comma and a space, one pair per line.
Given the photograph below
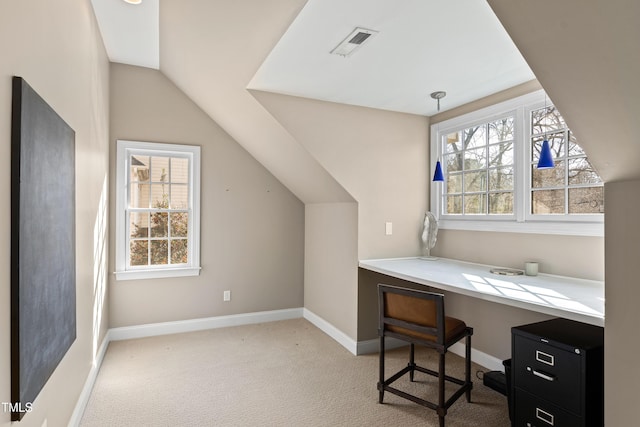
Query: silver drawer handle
544, 416
546, 358
541, 374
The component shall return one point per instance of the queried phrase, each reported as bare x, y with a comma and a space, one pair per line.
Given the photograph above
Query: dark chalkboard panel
43, 272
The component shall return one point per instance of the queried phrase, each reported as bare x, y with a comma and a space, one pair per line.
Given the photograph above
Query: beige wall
252, 227
331, 257
381, 159
622, 294
57, 49
574, 256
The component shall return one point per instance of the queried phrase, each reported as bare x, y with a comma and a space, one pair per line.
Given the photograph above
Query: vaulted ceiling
582, 51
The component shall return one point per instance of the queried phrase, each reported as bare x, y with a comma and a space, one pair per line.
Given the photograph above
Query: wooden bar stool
417, 317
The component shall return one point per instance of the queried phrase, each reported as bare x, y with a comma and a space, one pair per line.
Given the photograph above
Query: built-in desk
576, 299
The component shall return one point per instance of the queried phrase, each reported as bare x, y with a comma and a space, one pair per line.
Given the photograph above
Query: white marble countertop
571, 298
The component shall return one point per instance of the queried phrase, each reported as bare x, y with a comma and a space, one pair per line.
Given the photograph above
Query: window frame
124, 150
521, 221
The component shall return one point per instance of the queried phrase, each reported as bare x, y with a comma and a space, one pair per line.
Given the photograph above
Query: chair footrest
386, 386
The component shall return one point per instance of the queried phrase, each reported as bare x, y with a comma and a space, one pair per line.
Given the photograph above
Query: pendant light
546, 157
438, 175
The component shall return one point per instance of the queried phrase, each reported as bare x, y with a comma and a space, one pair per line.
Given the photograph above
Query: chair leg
467, 374
441, 375
412, 363
381, 382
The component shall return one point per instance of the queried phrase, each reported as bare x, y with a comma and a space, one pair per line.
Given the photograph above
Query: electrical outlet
227, 295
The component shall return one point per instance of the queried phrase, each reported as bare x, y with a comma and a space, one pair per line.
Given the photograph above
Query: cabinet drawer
548, 372
531, 411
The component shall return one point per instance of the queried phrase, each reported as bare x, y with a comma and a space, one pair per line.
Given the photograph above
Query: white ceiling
422, 46
131, 33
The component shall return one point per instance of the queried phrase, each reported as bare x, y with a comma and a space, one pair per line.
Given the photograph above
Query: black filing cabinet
557, 374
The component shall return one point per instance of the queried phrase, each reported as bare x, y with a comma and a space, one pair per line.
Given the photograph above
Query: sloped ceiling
216, 50
585, 54
211, 50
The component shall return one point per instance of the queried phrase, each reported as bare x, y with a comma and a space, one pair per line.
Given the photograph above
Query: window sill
594, 229
157, 273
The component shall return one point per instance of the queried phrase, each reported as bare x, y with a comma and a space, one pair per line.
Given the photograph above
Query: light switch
388, 228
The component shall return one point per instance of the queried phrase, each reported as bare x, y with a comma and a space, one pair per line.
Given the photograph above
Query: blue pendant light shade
546, 158
437, 176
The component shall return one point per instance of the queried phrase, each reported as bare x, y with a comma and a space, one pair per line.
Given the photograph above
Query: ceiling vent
353, 41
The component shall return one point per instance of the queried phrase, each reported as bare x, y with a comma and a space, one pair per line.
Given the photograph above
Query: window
572, 186
489, 160
479, 168
158, 219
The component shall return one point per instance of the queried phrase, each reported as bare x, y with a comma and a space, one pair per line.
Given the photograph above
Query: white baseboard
81, 404
335, 333
373, 346
477, 356
165, 328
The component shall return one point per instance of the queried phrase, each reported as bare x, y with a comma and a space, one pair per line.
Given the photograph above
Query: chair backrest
411, 312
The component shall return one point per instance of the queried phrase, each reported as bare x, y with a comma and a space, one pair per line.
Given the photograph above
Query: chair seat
453, 328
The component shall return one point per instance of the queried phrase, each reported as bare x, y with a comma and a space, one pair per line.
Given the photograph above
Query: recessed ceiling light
133, 1
353, 41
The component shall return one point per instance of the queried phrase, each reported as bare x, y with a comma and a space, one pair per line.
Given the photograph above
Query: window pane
454, 182
159, 224
501, 154
501, 203
139, 224
179, 170
586, 200
179, 196
546, 120
547, 202
454, 204
179, 251
159, 196
475, 204
574, 148
139, 195
474, 137
475, 159
581, 172
544, 178
501, 178
160, 169
453, 162
139, 168
139, 252
475, 181
179, 224
159, 252
501, 130
454, 143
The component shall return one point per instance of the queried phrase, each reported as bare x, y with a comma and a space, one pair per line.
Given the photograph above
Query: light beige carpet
286, 373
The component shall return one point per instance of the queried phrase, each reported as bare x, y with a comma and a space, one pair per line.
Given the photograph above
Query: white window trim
124, 148
520, 222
